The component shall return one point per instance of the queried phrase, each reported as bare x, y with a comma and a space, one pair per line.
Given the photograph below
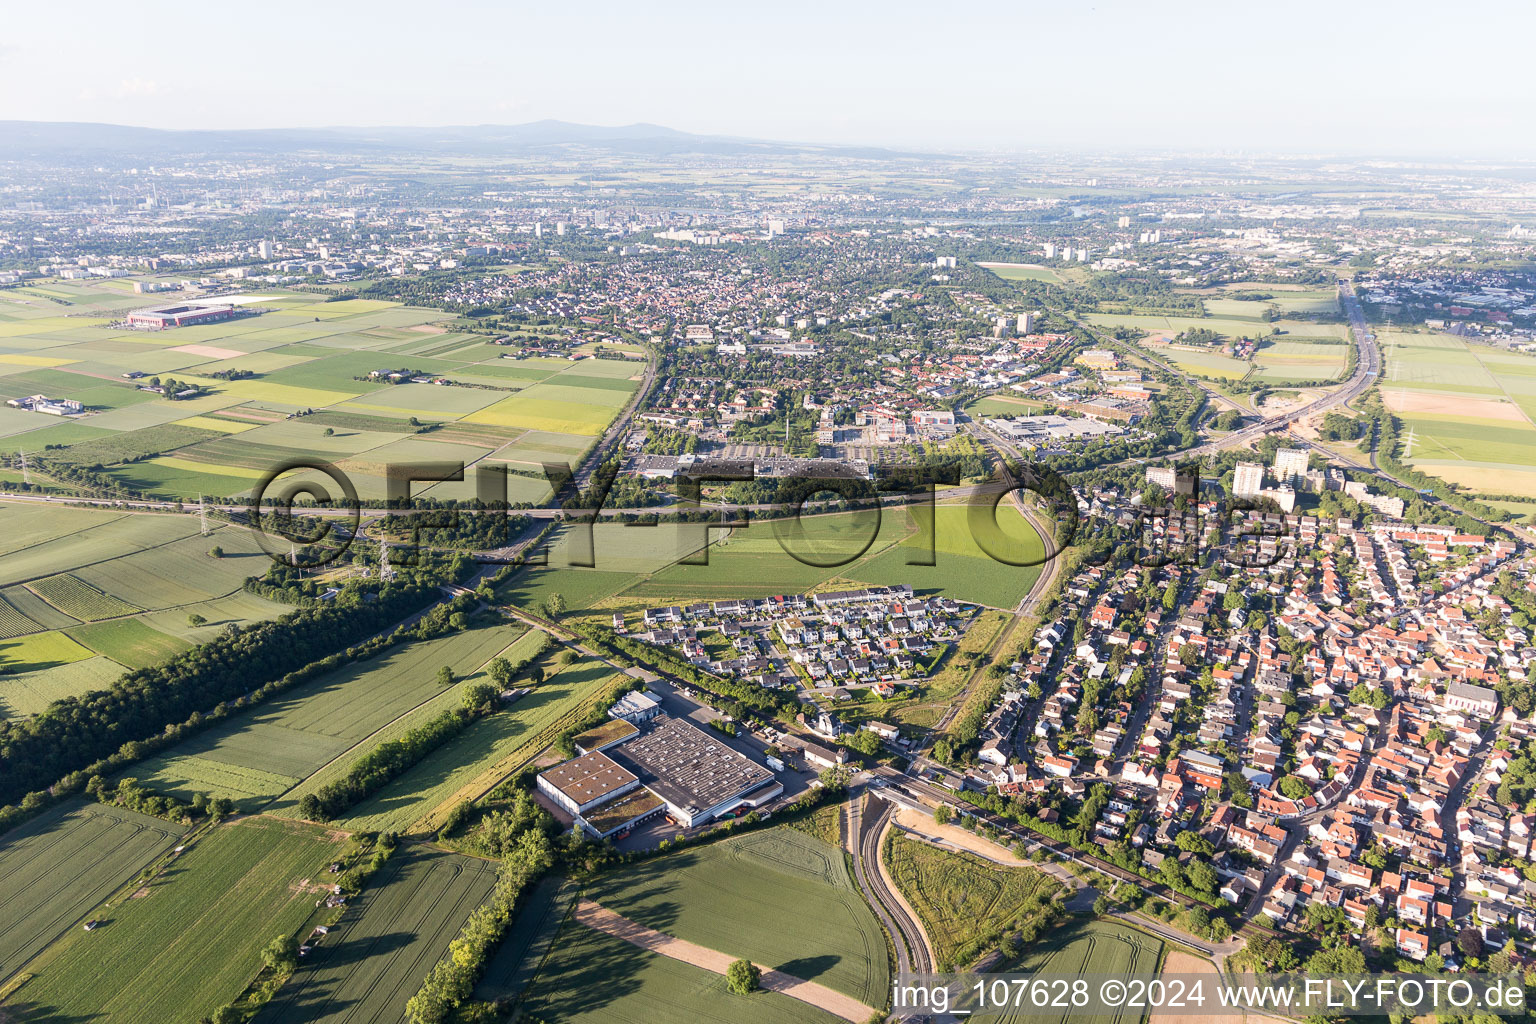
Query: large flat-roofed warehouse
182, 314
584, 782
698, 776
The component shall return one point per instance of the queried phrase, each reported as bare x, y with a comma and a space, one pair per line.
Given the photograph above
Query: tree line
53, 753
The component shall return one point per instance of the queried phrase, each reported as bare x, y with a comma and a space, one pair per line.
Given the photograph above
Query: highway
1367, 369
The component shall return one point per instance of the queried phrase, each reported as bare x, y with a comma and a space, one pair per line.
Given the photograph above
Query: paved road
933, 795
620, 426
868, 821
1367, 369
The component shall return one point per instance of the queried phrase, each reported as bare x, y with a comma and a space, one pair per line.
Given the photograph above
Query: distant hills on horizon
62, 139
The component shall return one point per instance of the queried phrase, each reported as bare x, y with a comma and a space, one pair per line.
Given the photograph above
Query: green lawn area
777, 897
191, 942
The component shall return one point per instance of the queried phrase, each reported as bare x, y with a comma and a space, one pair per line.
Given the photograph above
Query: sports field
965, 903
388, 939
313, 364
189, 941
1471, 409
60, 865
1023, 272
778, 897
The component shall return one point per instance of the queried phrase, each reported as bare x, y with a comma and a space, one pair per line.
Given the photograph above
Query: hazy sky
1404, 77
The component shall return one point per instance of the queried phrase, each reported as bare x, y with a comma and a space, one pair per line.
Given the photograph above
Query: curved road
866, 831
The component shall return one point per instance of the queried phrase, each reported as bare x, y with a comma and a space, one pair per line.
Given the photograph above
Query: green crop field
1086, 947
529, 939
129, 642
441, 773
593, 978
1471, 410
306, 357
1299, 359
13, 622
191, 940
963, 901
28, 692
1203, 364
267, 751
375, 959
778, 898
640, 566
37, 651
57, 867
964, 541
79, 599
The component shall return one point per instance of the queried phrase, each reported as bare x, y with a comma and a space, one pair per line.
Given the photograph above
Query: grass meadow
190, 940
57, 867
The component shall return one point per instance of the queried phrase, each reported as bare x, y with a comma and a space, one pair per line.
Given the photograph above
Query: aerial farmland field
1087, 947
309, 361
1471, 409
962, 569
527, 726
60, 865
778, 897
387, 941
139, 577
267, 751
190, 940
590, 977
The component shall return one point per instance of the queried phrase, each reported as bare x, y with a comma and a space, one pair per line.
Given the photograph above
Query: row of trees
128, 793
105, 728
451, 981
392, 758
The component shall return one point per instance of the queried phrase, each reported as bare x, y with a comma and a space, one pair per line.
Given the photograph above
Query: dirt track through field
594, 915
